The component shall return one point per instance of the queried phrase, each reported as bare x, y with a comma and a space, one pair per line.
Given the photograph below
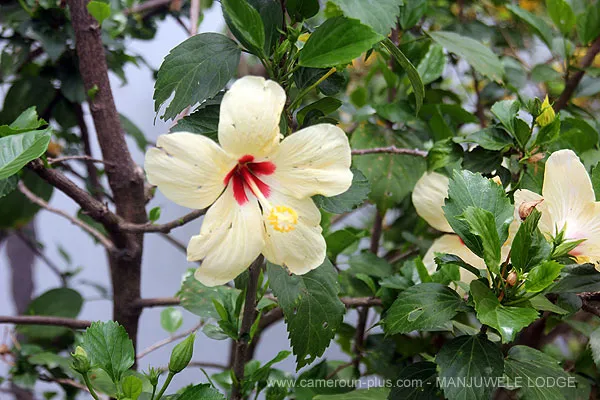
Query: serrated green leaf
541, 276
99, 10
378, 14
421, 307
194, 71
423, 372
442, 153
337, 41
204, 121
350, 199
245, 23
474, 52
18, 150
313, 312
472, 358
483, 225
409, 68
108, 346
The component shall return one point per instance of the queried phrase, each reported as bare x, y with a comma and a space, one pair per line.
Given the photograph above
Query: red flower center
246, 175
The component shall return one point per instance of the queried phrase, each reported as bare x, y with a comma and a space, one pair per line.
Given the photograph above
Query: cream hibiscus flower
569, 204
258, 188
428, 198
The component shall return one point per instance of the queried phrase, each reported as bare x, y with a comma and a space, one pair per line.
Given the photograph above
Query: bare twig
44, 320
390, 150
157, 302
163, 228
174, 242
40, 202
57, 160
168, 340
64, 381
194, 16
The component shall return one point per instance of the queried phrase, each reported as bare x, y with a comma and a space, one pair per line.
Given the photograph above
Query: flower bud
153, 374
547, 114
182, 354
81, 362
511, 279
497, 180
527, 207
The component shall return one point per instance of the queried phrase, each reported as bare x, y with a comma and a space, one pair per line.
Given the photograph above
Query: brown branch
103, 240
157, 302
168, 340
574, 80
44, 320
390, 150
163, 228
150, 5
52, 161
248, 316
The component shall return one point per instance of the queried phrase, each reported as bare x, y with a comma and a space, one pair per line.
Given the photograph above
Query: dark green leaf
529, 246
507, 320
245, 23
422, 307
483, 226
475, 53
109, 348
8, 185
339, 241
350, 199
411, 71
378, 14
337, 41
18, 150
411, 13
272, 18
443, 152
450, 259
423, 372
595, 345
538, 24
562, 15
204, 121
379, 393
302, 9
588, 24
326, 105
194, 71
495, 139
596, 181
16, 210
506, 111
548, 133
311, 307
577, 279
369, 264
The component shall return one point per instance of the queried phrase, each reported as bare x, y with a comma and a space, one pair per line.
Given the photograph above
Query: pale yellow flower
547, 114
428, 198
569, 203
258, 188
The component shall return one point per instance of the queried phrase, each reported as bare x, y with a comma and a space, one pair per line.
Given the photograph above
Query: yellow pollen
282, 218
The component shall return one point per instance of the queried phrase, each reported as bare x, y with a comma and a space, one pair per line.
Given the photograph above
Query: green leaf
562, 15
272, 19
313, 312
337, 41
421, 307
245, 23
471, 358
432, 65
302, 9
62, 302
369, 264
132, 387
541, 303
378, 14
26, 121
577, 279
350, 199
204, 121
495, 139
507, 320
198, 299
524, 365
99, 10
339, 241
203, 391
379, 393
8, 185
475, 53
392, 176
443, 152
423, 372
596, 181
154, 214
411, 71
506, 112
443, 259
542, 276
132, 130
18, 150
467, 189
326, 105
194, 71
538, 24
529, 246
411, 13
483, 225
588, 24
548, 133
109, 348
595, 345
171, 319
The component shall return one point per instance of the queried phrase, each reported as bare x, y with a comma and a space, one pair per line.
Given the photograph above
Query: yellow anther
282, 218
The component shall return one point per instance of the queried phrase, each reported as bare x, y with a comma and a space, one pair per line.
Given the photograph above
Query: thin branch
574, 80
174, 242
194, 16
64, 381
390, 150
40, 202
163, 228
205, 364
44, 320
157, 302
57, 160
168, 340
147, 6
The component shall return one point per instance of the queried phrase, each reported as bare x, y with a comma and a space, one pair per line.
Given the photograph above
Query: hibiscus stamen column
240, 357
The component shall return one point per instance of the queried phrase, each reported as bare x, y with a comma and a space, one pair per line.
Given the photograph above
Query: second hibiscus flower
258, 188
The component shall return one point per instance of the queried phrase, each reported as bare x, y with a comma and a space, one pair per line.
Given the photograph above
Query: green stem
86, 379
304, 92
165, 385
153, 392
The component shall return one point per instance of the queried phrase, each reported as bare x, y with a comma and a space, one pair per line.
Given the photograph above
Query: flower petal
249, 117
567, 187
301, 249
428, 198
231, 237
452, 244
188, 169
587, 227
314, 160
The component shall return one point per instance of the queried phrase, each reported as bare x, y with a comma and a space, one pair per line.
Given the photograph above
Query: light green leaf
472, 358
541, 303
203, 391
442, 153
171, 319
507, 320
337, 41
313, 312
154, 214
109, 348
542, 276
421, 307
194, 71
380, 393
350, 199
506, 111
411, 13
245, 23
432, 65
99, 10
198, 299
411, 71
483, 225
27, 121
588, 24
369, 264
562, 15
474, 52
18, 150
378, 14
538, 24
132, 387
